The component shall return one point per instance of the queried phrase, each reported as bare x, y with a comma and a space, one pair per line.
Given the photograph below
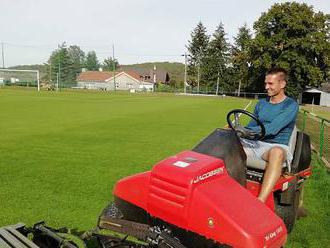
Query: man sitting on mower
278, 115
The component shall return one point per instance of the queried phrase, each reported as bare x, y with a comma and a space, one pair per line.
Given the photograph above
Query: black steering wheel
244, 132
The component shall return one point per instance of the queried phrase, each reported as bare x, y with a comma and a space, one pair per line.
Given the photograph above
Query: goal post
19, 77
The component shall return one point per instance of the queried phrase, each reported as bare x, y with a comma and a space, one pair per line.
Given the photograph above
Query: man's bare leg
275, 157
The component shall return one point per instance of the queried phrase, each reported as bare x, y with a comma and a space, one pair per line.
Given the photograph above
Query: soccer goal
20, 78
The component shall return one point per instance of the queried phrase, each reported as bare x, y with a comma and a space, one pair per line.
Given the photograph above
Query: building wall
124, 82
325, 99
95, 85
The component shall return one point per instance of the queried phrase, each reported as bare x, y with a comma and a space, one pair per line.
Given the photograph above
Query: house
93, 79
153, 75
316, 96
123, 80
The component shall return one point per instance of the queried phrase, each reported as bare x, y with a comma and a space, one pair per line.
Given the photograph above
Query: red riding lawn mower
206, 197
202, 198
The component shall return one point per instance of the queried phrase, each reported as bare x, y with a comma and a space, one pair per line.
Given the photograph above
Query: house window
129, 85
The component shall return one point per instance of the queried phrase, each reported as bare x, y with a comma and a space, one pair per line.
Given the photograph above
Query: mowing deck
10, 237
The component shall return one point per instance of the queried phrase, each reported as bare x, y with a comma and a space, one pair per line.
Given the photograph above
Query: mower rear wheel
288, 212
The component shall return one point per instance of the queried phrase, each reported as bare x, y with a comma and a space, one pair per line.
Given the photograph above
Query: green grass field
61, 153
323, 112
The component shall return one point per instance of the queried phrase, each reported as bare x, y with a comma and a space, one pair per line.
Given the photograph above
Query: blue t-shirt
278, 118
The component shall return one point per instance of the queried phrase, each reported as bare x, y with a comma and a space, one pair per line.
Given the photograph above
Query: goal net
19, 78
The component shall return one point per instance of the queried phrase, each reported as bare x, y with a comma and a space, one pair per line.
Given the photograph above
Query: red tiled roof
100, 76
133, 74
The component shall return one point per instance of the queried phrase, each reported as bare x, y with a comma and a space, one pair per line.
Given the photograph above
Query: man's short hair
279, 70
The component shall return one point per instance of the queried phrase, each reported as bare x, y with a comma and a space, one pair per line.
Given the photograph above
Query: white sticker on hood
181, 164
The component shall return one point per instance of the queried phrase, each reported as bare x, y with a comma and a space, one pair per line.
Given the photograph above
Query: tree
109, 63
240, 56
293, 36
60, 66
91, 63
64, 64
197, 51
217, 59
325, 87
77, 59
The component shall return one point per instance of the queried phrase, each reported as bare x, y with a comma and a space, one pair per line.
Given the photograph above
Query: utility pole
218, 79
114, 67
3, 56
56, 81
50, 71
185, 73
59, 74
239, 87
198, 75
59, 70
198, 69
38, 80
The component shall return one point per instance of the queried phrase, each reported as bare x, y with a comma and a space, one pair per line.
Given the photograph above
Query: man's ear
283, 84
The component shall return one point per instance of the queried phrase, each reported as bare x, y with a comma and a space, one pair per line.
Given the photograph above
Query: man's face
274, 84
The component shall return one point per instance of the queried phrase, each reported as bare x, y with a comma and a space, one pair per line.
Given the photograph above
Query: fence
318, 129
209, 91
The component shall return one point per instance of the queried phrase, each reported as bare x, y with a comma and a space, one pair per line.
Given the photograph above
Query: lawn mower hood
194, 192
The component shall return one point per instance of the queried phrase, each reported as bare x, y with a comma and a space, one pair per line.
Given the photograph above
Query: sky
140, 30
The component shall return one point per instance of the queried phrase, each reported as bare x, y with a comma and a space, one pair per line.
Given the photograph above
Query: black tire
288, 212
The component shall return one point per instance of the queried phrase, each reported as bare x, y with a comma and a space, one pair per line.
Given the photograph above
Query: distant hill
42, 68
175, 70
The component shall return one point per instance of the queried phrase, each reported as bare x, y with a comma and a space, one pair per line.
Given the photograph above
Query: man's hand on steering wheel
244, 132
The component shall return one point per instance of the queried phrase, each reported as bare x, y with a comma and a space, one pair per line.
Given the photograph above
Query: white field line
246, 107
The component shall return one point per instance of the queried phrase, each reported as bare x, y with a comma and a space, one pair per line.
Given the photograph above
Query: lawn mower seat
261, 164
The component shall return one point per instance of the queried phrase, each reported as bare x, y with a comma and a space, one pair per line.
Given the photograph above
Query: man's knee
277, 152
